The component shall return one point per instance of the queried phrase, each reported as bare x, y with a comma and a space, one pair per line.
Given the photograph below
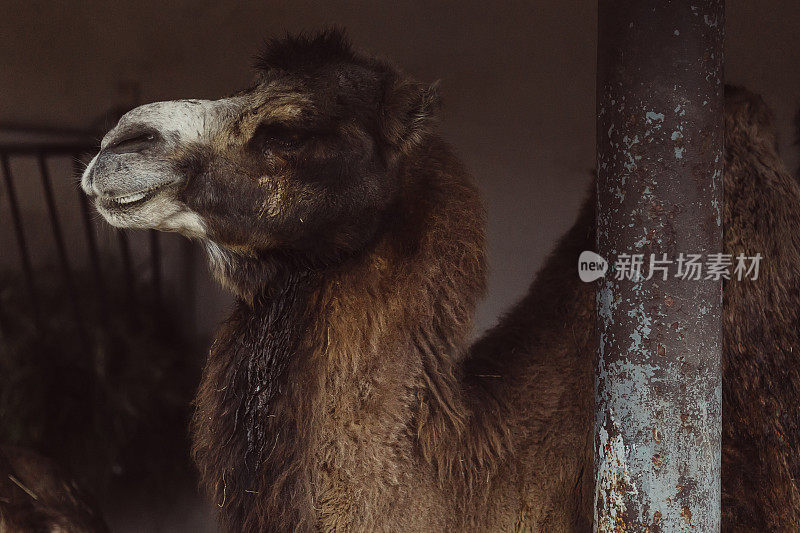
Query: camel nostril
133, 141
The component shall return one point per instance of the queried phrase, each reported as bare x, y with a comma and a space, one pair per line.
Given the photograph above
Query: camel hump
747, 116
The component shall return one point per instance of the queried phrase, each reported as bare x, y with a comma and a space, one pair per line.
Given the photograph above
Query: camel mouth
130, 200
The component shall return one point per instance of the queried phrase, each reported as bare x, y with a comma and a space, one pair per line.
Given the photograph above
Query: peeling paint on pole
659, 191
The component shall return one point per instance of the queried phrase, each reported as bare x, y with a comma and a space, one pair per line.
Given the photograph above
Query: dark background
517, 78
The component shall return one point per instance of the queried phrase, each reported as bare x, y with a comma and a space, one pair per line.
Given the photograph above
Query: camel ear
410, 110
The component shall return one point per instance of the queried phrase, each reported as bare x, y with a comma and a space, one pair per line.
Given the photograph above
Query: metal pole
22, 245
91, 240
659, 191
155, 267
61, 249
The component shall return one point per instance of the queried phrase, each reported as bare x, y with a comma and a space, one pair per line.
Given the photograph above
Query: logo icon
591, 266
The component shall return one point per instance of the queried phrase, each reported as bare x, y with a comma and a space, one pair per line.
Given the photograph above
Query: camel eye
271, 138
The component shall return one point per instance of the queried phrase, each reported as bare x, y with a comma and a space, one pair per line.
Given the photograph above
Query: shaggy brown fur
761, 374
341, 395
37, 496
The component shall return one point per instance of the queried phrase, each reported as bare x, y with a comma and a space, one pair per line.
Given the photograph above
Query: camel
342, 393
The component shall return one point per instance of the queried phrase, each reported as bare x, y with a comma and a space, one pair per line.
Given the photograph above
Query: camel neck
372, 346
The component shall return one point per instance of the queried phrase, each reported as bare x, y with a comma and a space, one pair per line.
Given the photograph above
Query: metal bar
19, 232
4, 327
659, 191
39, 129
127, 268
61, 250
189, 279
155, 267
34, 149
91, 239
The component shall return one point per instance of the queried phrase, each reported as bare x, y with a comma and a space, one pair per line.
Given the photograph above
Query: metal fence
80, 151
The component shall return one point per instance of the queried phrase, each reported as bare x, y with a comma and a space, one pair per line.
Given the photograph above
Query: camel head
304, 162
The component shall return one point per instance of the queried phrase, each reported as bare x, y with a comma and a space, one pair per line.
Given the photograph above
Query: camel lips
130, 198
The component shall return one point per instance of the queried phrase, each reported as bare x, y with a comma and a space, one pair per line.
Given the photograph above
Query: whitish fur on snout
134, 188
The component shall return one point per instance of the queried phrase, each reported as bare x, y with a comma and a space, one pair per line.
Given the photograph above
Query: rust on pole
659, 195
